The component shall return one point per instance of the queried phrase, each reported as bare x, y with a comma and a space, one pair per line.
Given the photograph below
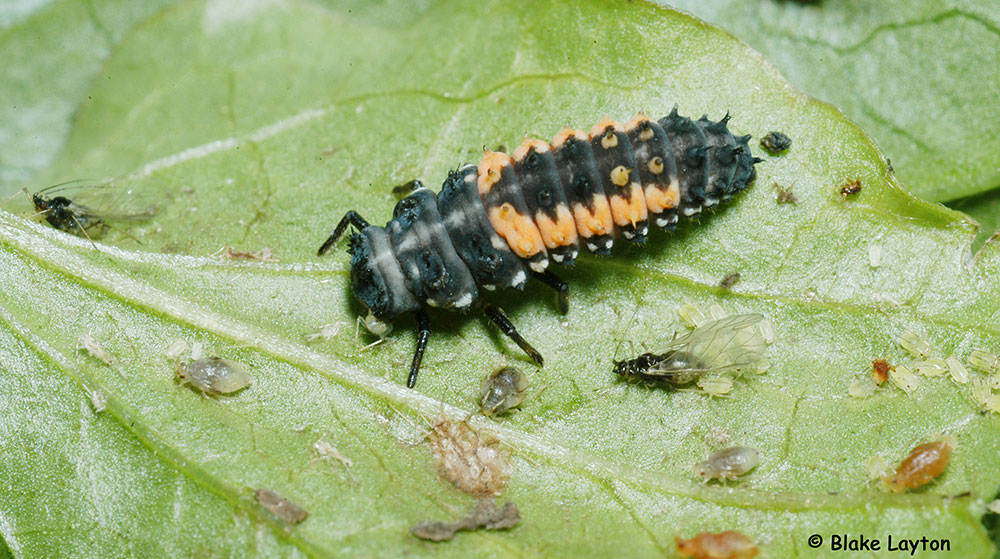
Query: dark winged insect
67, 214
497, 224
733, 343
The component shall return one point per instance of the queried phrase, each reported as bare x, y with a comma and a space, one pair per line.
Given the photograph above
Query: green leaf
918, 75
258, 125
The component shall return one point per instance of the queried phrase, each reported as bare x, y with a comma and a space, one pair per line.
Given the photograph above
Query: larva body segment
511, 215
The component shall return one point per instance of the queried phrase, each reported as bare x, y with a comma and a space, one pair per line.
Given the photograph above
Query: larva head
376, 278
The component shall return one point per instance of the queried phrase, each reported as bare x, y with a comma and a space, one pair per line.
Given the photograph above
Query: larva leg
503, 323
350, 218
561, 287
423, 334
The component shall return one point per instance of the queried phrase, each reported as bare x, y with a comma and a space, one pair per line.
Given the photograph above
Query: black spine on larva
544, 194
432, 269
690, 151
582, 184
653, 152
722, 152
487, 256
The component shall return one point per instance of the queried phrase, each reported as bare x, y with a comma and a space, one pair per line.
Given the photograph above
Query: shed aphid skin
496, 224
923, 464
915, 345
733, 343
775, 142
860, 389
724, 545
280, 506
85, 342
213, 375
784, 195
728, 463
502, 390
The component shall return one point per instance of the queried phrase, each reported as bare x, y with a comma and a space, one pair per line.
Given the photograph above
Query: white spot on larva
519, 279
673, 218
591, 247
464, 301
608, 243
691, 211
489, 287
709, 202
628, 234
574, 254
432, 302
539, 266
497, 242
557, 257
662, 222
643, 230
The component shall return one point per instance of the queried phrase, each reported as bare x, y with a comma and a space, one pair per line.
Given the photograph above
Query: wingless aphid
213, 375
496, 225
733, 343
502, 390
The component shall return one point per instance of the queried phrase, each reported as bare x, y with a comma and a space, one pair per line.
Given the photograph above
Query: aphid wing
721, 344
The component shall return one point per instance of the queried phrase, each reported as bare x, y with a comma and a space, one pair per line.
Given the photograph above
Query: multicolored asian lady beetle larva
494, 223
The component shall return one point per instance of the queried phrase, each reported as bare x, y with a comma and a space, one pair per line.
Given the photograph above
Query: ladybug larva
496, 224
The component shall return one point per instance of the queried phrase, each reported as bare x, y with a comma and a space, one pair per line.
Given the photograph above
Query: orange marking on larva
490, 168
558, 233
601, 127
619, 175
636, 122
631, 211
518, 230
924, 463
526, 146
658, 199
566, 134
724, 545
598, 222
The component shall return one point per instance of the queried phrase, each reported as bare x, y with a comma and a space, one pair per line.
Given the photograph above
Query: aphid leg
561, 287
84, 231
350, 218
423, 334
503, 323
